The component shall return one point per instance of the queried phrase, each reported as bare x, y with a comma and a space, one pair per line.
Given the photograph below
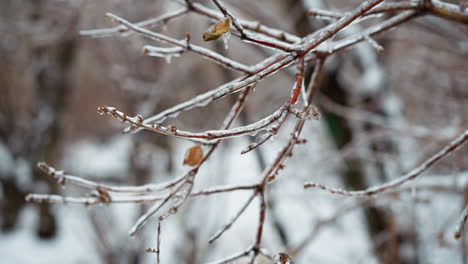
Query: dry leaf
218, 29
193, 156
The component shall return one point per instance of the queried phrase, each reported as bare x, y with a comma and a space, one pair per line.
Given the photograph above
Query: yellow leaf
218, 29
193, 156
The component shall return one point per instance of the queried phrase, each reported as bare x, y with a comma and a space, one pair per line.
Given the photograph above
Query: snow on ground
86, 158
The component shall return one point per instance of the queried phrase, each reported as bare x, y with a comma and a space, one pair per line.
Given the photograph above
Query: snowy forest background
383, 112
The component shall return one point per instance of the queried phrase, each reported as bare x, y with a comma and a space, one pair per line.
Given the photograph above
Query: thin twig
461, 223
138, 122
233, 257
149, 23
207, 53
233, 219
413, 174
63, 179
158, 243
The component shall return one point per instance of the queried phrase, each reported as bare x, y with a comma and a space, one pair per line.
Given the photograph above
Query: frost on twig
461, 224
413, 174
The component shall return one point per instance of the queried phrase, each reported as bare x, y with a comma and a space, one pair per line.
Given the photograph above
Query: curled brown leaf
218, 29
193, 156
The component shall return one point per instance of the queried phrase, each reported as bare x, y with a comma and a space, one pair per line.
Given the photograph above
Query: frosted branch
413, 174
461, 223
149, 23
209, 54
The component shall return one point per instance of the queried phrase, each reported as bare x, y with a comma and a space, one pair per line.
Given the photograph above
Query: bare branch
250, 25
149, 23
63, 179
449, 11
461, 223
209, 54
233, 257
204, 137
233, 219
155, 208
92, 200
413, 174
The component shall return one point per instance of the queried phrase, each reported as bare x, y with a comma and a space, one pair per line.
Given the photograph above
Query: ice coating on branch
168, 58
166, 53
226, 38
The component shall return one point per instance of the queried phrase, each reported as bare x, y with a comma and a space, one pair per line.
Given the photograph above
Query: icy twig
330, 30
207, 53
223, 189
233, 219
61, 178
261, 40
371, 31
310, 42
413, 174
265, 137
233, 257
92, 200
322, 223
155, 208
449, 11
250, 25
386, 7
158, 244
324, 14
461, 223
189, 177
270, 173
297, 88
97, 198
149, 23
272, 67
162, 52
268, 68
204, 137
261, 224
374, 44
298, 83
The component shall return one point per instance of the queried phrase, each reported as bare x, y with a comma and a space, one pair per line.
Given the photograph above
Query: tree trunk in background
36, 66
